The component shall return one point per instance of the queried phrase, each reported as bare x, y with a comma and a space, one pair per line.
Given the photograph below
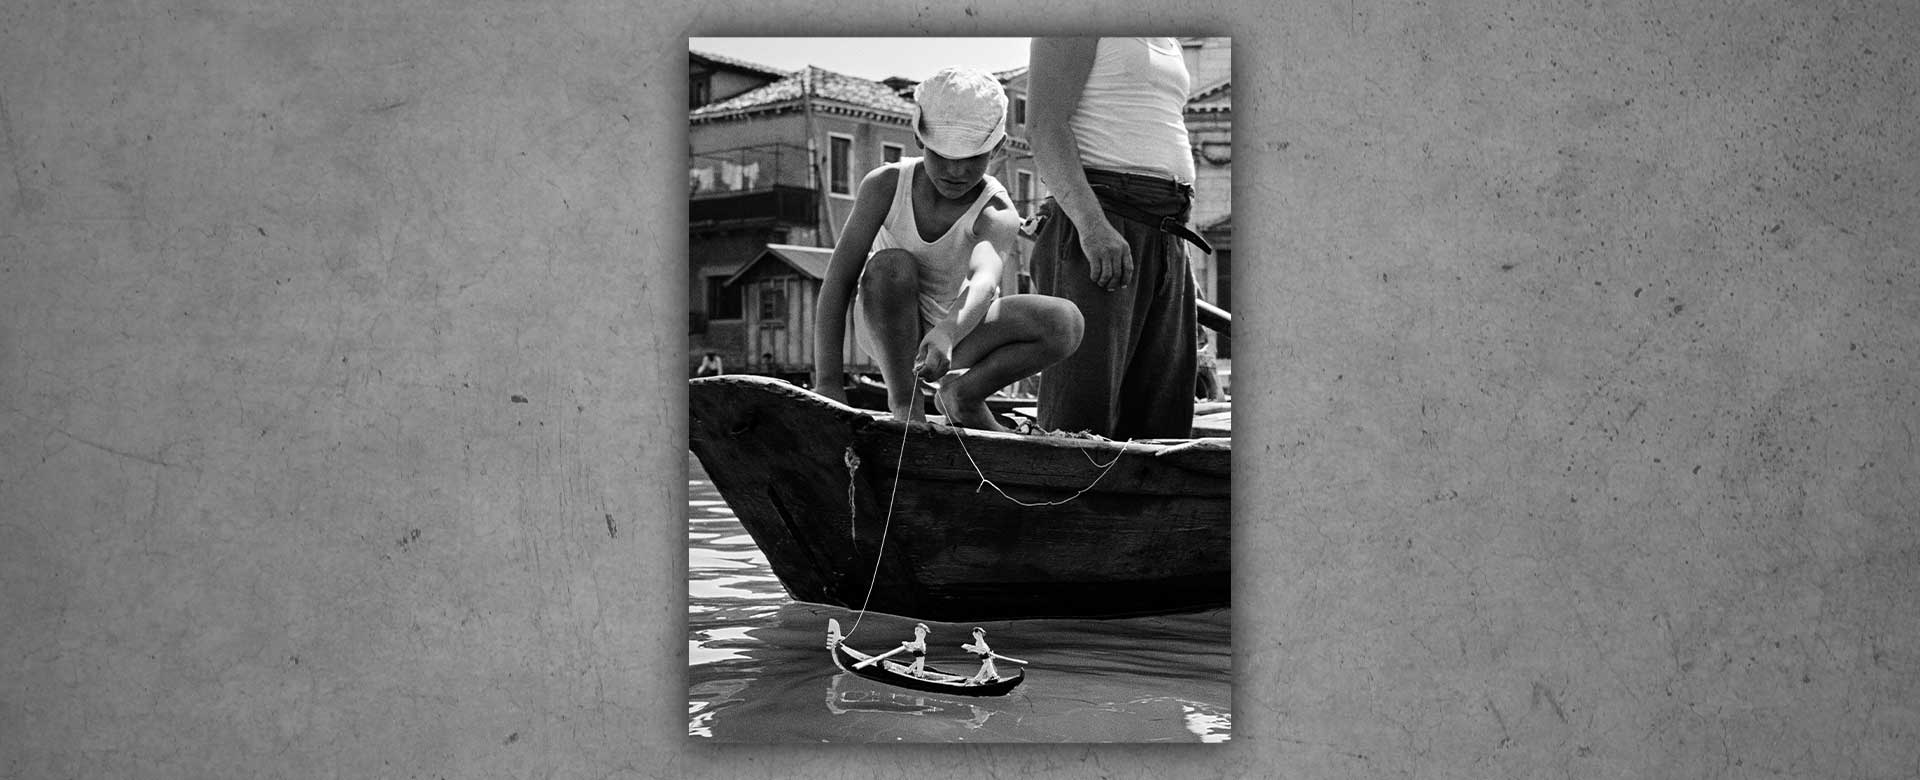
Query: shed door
779, 325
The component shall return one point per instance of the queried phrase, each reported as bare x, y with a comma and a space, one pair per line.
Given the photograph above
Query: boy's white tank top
944, 261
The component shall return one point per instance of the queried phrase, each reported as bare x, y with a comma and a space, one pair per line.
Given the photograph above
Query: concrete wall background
340, 352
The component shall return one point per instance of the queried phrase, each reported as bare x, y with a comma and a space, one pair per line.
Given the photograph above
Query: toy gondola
929, 679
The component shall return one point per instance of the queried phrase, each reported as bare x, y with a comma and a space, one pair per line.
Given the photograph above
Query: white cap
960, 113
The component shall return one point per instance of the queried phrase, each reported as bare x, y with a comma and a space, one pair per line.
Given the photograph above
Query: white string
852, 510
1003, 494
853, 466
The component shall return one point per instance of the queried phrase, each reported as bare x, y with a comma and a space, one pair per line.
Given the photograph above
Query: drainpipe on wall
824, 211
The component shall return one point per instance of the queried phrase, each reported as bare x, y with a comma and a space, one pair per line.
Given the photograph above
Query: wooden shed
779, 290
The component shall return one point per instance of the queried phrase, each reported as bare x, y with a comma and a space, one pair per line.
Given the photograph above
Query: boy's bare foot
914, 411
974, 415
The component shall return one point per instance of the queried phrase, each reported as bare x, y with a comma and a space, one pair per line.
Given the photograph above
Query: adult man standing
1109, 136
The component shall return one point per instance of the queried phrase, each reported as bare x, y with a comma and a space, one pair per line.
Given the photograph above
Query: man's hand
1109, 258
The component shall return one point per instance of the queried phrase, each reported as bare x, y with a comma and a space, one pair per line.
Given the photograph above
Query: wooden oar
876, 659
1213, 317
1004, 658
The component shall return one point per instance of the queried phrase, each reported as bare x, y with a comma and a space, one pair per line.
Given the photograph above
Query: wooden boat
927, 679
982, 526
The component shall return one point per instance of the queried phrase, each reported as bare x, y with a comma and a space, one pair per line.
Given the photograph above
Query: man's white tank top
1132, 112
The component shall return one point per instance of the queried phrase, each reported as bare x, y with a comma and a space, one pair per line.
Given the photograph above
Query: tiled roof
1215, 98
737, 64
840, 91
809, 260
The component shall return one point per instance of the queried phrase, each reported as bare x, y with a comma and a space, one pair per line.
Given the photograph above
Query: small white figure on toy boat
979, 647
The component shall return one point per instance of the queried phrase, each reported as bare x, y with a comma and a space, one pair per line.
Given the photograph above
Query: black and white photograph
920, 413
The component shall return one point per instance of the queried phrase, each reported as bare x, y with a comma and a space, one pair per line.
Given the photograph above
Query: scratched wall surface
1595, 394
340, 413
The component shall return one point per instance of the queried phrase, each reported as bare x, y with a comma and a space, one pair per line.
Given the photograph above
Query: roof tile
819, 82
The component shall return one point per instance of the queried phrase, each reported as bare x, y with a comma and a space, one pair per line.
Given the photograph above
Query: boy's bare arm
997, 227
870, 208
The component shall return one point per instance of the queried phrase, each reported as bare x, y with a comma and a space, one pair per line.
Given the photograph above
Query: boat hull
1126, 528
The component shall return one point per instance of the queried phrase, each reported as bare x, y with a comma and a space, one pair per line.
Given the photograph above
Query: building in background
774, 161
1210, 130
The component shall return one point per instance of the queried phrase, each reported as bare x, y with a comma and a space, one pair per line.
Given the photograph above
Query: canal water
760, 672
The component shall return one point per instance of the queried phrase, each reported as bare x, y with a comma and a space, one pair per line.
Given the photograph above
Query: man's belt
1165, 224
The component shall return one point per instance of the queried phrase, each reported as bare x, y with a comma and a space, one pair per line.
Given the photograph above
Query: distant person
1109, 136
766, 363
710, 365
1206, 382
924, 247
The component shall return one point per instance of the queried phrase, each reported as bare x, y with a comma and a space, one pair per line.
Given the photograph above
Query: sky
872, 58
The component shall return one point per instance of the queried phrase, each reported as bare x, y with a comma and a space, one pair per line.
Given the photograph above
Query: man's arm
1057, 73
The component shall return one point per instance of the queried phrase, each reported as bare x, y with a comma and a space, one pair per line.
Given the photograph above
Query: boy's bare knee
1059, 326
1064, 319
890, 272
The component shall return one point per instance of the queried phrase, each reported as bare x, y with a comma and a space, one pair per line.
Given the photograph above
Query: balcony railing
763, 184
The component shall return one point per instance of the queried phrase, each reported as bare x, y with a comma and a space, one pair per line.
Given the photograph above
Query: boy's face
954, 178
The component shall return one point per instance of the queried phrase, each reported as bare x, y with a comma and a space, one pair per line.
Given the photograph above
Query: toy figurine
979, 647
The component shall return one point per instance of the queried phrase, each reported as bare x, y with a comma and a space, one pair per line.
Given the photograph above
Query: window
840, 164
1019, 110
891, 152
723, 302
1023, 193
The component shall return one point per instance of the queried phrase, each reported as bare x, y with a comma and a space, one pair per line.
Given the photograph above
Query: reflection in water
849, 694
758, 665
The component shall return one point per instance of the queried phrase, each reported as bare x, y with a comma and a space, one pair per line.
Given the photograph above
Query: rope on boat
1003, 494
853, 467
853, 464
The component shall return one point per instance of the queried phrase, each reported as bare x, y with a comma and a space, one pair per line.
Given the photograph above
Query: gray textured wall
340, 352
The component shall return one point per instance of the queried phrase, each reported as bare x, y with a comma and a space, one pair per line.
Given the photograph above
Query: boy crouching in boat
921, 257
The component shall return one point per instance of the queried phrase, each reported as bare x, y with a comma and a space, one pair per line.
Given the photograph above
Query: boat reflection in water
848, 694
